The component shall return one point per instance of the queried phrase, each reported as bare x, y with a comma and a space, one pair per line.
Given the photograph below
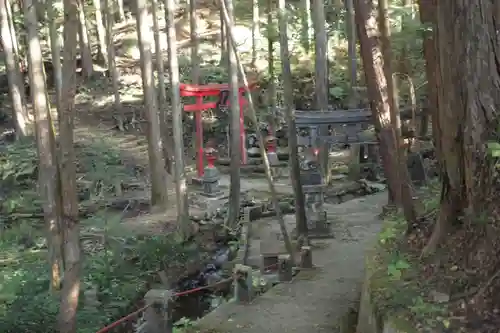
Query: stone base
198, 181
214, 195
322, 230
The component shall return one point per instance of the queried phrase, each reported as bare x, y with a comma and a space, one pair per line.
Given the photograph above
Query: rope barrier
178, 294
139, 311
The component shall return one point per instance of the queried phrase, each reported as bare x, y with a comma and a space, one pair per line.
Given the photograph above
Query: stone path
316, 300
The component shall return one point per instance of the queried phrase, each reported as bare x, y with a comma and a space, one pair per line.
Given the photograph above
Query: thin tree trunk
223, 39
195, 43
83, 35
300, 212
120, 15
70, 224
155, 150
180, 175
48, 180
351, 41
16, 86
306, 25
253, 115
271, 35
255, 30
55, 48
113, 70
100, 30
427, 10
167, 142
235, 126
401, 173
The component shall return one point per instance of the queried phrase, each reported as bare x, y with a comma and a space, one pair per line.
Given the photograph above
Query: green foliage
115, 264
396, 289
119, 273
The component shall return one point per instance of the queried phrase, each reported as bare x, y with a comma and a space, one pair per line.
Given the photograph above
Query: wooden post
306, 257
243, 283
158, 314
285, 272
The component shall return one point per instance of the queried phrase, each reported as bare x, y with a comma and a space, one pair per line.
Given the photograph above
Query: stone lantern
211, 175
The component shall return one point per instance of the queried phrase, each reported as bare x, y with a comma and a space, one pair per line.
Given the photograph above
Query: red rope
137, 312
182, 293
122, 320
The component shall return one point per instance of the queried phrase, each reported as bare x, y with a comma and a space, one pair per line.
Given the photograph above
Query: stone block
285, 268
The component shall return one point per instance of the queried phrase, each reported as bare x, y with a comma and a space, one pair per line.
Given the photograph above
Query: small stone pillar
158, 315
243, 283
306, 257
315, 212
211, 175
272, 155
285, 268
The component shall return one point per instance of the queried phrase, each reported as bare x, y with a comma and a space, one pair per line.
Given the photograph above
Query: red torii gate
202, 91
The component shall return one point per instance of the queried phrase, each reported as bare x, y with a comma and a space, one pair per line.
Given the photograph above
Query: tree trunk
306, 23
404, 195
223, 39
101, 35
255, 30
180, 175
195, 43
120, 15
468, 109
351, 42
155, 150
85, 49
16, 84
113, 71
321, 75
48, 177
321, 62
300, 212
235, 126
253, 116
167, 143
427, 10
70, 223
271, 35
55, 47
373, 64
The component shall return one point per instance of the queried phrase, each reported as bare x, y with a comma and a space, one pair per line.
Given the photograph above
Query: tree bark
300, 211
55, 47
180, 176
155, 150
167, 142
235, 126
113, 70
271, 35
16, 85
373, 64
403, 191
351, 42
253, 116
428, 13
101, 35
70, 223
255, 30
195, 42
48, 173
468, 105
83, 34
